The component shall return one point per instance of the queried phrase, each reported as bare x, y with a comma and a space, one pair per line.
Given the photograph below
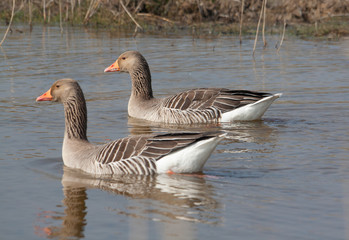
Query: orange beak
45, 97
113, 68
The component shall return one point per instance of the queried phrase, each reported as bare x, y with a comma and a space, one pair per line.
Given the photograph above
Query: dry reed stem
264, 13
156, 17
241, 19
44, 9
79, 9
66, 13
9, 25
60, 16
72, 5
30, 12
129, 14
49, 15
283, 35
259, 22
94, 4
334, 15
138, 6
88, 11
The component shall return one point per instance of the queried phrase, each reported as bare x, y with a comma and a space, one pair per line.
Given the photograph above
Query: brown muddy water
285, 177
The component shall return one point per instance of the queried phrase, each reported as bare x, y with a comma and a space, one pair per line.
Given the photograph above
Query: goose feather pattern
142, 154
201, 105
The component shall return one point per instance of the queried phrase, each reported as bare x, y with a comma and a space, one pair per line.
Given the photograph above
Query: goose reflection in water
258, 132
73, 217
186, 198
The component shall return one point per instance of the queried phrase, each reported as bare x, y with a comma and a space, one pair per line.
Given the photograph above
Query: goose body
143, 154
201, 105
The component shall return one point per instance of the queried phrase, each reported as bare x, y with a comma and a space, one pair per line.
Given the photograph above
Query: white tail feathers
250, 112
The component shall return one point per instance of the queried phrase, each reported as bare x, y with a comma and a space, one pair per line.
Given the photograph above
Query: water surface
285, 177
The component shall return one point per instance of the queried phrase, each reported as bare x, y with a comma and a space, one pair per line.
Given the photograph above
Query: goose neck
75, 118
141, 83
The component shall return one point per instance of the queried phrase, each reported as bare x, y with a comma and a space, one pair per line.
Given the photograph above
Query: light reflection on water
283, 177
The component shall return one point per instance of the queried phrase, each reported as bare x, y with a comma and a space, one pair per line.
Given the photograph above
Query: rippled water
285, 177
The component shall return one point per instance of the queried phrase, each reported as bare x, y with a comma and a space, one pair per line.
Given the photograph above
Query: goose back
204, 105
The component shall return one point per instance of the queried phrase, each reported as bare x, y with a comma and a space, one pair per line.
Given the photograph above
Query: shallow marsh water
285, 177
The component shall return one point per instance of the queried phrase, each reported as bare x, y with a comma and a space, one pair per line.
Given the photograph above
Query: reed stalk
44, 9
259, 22
30, 12
88, 11
241, 19
282, 38
66, 13
155, 17
49, 15
94, 4
129, 14
60, 16
264, 13
9, 25
79, 9
72, 5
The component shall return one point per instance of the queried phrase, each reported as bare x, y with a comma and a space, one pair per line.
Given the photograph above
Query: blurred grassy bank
312, 18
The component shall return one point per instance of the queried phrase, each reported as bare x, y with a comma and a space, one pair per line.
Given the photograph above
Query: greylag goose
201, 105
143, 154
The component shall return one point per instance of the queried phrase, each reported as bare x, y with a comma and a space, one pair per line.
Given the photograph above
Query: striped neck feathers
76, 117
141, 81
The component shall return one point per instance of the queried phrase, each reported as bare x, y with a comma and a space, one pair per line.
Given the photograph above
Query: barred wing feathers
138, 154
220, 98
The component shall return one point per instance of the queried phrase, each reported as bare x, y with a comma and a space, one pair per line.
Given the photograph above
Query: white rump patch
250, 112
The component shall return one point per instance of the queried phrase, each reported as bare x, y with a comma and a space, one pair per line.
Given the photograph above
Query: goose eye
57, 86
123, 58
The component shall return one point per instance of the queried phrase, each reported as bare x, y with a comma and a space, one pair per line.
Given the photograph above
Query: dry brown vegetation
160, 14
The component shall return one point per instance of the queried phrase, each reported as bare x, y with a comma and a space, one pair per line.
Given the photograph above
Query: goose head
60, 91
127, 62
